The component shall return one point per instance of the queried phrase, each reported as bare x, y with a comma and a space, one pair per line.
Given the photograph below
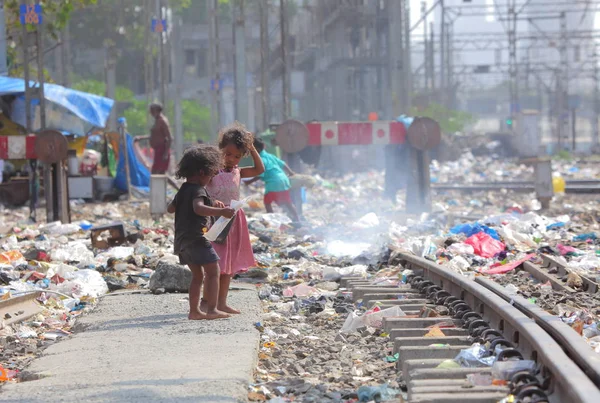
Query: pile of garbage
59, 271
488, 168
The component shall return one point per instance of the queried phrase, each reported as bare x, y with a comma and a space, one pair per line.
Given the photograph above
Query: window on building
190, 58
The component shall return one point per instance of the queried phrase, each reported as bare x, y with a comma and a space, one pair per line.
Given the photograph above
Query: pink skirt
236, 253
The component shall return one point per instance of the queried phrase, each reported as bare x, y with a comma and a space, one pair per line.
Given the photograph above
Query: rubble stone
171, 277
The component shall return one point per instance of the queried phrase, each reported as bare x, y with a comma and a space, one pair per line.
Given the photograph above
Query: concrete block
158, 194
419, 332
410, 323
427, 341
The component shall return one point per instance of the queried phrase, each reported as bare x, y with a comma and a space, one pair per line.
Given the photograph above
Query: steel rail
575, 346
568, 382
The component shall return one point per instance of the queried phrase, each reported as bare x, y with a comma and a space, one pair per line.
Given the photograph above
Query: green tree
450, 121
56, 14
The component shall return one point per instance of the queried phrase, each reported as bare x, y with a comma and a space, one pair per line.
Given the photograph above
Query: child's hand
219, 204
227, 212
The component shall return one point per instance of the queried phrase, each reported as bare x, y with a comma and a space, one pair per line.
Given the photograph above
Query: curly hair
199, 158
237, 134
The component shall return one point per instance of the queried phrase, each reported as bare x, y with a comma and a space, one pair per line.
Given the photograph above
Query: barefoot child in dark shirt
194, 211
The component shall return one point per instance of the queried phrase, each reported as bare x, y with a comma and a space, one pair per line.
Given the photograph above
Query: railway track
510, 327
572, 186
555, 272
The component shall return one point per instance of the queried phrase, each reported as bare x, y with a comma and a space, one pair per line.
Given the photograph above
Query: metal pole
264, 61
432, 56
573, 128
284, 80
241, 87
124, 148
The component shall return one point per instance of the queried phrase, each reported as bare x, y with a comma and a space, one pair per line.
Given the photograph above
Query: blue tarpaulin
139, 174
92, 109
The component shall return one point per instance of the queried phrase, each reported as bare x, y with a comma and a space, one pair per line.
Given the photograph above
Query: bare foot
203, 305
216, 314
208, 316
197, 316
228, 309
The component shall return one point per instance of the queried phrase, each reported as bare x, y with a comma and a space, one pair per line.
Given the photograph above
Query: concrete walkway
142, 348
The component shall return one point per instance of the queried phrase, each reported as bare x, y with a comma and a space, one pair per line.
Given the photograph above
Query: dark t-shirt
189, 226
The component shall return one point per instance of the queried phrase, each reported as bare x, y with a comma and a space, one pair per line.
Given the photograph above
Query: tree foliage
451, 121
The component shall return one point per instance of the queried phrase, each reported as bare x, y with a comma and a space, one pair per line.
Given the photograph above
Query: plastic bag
275, 220
84, 283
505, 268
471, 229
475, 357
299, 181
459, 264
335, 273
367, 221
218, 227
460, 248
376, 393
504, 370
372, 318
484, 245
300, 290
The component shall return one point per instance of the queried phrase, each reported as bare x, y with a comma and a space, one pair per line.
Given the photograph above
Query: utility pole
395, 49
432, 57
239, 43
284, 73
425, 47
40, 63
595, 134
214, 66
563, 95
25, 40
449, 69
148, 85
264, 62
162, 56
217, 63
512, 59
66, 55
442, 52
177, 56
407, 59
3, 61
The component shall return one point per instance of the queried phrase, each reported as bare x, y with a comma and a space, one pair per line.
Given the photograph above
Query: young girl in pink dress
235, 254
